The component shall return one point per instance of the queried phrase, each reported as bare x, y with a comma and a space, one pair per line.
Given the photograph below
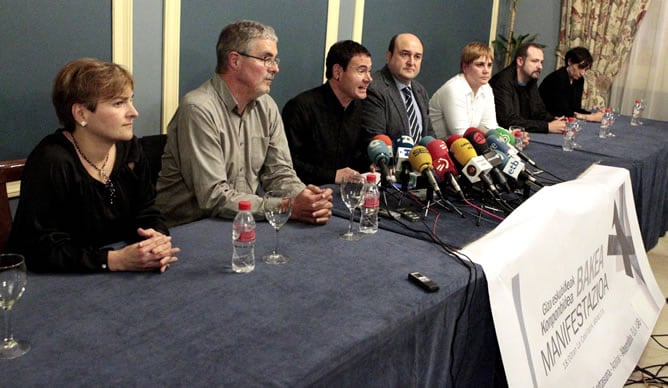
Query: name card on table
571, 290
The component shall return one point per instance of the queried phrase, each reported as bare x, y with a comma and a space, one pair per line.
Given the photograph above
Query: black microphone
479, 143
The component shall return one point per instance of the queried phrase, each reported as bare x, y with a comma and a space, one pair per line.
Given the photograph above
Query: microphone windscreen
506, 136
404, 141
384, 138
462, 150
470, 130
440, 156
496, 144
452, 139
478, 140
426, 140
378, 150
420, 158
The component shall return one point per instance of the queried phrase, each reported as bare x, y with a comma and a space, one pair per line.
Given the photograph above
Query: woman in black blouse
562, 89
87, 186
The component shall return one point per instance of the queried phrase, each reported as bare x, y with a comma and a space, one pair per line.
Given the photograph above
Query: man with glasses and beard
516, 95
562, 89
227, 138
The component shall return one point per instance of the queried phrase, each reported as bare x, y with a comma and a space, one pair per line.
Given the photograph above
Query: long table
643, 150
339, 313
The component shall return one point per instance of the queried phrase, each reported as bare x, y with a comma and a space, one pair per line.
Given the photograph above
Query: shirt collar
226, 95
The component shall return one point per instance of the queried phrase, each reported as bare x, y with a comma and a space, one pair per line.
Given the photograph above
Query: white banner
573, 297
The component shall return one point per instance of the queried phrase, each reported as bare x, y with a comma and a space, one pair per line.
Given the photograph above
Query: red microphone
443, 165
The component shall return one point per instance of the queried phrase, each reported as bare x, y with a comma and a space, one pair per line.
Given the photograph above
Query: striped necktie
412, 116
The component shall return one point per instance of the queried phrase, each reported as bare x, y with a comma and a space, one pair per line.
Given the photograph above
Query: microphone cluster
483, 162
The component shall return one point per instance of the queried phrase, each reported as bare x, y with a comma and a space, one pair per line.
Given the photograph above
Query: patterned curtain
606, 28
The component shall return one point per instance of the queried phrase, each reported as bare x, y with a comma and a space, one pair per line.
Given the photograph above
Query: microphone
497, 144
420, 160
509, 139
386, 139
402, 146
426, 140
443, 164
379, 154
515, 168
505, 135
479, 143
475, 168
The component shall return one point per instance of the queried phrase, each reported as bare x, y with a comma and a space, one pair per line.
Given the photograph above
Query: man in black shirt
516, 95
323, 124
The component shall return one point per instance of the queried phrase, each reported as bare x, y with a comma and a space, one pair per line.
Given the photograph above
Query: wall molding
494, 22
331, 36
121, 33
358, 21
170, 60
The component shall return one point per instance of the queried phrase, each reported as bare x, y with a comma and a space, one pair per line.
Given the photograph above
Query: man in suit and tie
396, 103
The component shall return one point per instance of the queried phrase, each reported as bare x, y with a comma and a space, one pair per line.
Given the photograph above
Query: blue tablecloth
339, 313
643, 150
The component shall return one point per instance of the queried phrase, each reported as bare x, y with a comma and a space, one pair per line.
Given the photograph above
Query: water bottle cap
244, 205
371, 178
571, 119
637, 101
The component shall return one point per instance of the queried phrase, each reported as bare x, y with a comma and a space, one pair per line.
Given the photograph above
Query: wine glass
351, 194
13, 281
277, 214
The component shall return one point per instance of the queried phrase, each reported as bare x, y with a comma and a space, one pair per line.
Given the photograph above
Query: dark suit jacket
384, 111
518, 105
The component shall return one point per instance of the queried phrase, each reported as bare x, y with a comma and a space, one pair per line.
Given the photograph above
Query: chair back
154, 146
10, 171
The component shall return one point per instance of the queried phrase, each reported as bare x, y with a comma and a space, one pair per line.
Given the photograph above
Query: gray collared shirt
215, 157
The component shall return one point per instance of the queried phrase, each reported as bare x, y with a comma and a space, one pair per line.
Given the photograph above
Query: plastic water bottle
370, 204
637, 112
243, 239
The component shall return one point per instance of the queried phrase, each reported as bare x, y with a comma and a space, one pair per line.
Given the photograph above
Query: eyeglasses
268, 61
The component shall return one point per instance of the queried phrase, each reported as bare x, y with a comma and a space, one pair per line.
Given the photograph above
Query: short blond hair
473, 51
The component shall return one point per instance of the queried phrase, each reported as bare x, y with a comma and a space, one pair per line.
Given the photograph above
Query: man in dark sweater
323, 125
516, 95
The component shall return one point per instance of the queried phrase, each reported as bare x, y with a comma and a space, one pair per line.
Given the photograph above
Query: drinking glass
577, 126
13, 281
351, 194
277, 214
613, 117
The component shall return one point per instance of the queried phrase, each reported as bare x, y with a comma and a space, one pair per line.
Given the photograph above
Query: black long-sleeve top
64, 218
519, 104
323, 135
561, 97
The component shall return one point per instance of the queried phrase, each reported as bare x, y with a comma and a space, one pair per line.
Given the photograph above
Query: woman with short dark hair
562, 90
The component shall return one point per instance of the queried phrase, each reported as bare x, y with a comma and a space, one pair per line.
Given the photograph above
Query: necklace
108, 184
